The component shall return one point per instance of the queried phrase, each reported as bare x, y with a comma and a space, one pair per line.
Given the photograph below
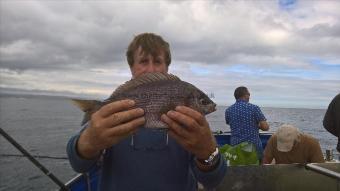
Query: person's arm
268, 151
267, 160
212, 178
331, 122
261, 119
315, 153
226, 116
78, 163
328, 121
108, 126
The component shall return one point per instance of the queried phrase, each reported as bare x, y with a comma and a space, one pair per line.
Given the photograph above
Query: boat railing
322, 170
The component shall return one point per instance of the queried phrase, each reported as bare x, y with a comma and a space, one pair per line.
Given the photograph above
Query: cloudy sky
286, 52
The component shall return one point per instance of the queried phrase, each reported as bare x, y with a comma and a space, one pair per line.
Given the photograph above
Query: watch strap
212, 159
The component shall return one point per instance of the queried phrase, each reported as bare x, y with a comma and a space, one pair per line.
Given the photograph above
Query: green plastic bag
241, 154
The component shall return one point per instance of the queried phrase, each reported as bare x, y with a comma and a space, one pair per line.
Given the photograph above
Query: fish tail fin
86, 105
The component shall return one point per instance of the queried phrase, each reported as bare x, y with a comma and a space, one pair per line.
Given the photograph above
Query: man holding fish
131, 133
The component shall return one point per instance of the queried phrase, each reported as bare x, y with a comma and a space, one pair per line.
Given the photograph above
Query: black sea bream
156, 94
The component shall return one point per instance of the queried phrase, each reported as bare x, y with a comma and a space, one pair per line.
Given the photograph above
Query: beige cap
286, 135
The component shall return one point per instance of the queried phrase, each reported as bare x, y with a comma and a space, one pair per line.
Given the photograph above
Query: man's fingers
124, 116
192, 113
175, 127
183, 119
115, 107
126, 129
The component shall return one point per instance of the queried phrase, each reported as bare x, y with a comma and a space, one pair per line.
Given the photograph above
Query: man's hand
191, 130
263, 125
108, 126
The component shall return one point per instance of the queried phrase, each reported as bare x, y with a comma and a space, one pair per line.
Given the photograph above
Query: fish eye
204, 101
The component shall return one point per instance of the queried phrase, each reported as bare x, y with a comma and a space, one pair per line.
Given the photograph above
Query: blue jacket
149, 160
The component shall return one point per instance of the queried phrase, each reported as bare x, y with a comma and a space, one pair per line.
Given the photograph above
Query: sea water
43, 125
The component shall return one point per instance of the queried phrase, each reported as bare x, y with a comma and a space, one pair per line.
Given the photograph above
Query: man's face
147, 63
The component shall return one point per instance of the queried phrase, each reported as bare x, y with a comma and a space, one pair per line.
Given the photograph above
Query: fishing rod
35, 156
34, 161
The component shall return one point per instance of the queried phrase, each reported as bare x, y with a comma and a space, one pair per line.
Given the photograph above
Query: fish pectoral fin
85, 105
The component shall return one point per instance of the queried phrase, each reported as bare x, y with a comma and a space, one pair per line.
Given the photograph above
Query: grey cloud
54, 35
96, 34
324, 30
217, 52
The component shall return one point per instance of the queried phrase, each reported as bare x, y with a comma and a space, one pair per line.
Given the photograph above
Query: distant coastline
11, 92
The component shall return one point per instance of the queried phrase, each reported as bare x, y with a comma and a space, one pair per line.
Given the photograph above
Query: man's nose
151, 67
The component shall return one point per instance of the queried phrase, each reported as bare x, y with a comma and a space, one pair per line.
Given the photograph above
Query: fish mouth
213, 107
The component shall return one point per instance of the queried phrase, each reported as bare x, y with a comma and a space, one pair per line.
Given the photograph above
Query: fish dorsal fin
144, 79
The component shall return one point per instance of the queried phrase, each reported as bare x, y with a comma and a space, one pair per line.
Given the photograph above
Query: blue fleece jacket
149, 160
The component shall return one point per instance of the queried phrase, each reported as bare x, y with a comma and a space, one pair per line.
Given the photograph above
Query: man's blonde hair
150, 43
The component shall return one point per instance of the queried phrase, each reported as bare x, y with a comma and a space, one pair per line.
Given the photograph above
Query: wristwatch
212, 159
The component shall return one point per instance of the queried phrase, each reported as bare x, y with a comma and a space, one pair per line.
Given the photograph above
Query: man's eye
159, 61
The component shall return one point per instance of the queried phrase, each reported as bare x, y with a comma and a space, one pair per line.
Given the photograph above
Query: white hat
286, 135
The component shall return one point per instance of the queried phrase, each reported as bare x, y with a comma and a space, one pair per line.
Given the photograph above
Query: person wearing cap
245, 120
331, 121
288, 145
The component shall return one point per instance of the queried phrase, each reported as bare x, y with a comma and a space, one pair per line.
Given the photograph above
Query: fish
156, 93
